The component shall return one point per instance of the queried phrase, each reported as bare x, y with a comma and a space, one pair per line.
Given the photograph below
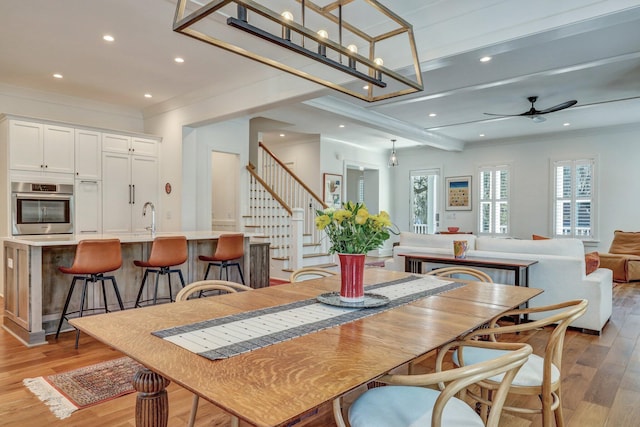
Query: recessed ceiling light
566, 124
148, 95
432, 114
57, 76
341, 126
485, 59
365, 87
482, 134
282, 135
108, 38
179, 60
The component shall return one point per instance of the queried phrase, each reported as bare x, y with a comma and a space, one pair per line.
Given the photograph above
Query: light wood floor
601, 379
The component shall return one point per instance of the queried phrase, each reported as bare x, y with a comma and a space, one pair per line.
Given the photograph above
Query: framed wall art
332, 190
458, 190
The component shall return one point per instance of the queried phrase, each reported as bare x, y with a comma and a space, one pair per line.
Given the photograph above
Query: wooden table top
275, 384
470, 259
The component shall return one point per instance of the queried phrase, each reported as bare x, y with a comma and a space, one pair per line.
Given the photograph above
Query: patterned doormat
67, 392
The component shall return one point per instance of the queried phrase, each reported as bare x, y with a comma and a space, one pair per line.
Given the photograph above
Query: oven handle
42, 196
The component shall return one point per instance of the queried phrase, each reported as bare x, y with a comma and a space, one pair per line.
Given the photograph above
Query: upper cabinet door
88, 154
116, 143
144, 147
26, 145
59, 149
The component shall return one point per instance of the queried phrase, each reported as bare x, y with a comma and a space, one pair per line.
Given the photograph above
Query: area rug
67, 392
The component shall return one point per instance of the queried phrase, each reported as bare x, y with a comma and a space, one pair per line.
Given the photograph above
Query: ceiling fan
536, 115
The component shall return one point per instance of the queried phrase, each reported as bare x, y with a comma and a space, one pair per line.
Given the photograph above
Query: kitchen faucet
153, 216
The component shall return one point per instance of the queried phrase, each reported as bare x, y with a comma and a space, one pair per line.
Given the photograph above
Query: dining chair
308, 273
541, 375
406, 401
198, 287
478, 275
465, 271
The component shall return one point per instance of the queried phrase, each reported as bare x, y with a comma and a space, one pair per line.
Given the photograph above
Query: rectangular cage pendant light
348, 55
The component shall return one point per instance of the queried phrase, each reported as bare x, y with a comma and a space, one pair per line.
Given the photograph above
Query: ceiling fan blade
502, 115
559, 107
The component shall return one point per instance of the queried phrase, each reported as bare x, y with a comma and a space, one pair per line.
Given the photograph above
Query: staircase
282, 211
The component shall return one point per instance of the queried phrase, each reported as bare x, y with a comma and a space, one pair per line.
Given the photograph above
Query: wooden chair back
467, 271
210, 285
308, 273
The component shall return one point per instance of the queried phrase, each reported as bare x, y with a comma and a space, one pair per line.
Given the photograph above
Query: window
361, 189
494, 200
574, 202
424, 203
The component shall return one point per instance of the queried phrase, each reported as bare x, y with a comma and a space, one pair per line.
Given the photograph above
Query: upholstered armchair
623, 257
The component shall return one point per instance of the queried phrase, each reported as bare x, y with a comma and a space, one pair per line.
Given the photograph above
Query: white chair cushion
406, 406
530, 375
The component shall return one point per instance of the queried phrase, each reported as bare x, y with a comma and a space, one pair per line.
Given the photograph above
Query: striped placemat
228, 336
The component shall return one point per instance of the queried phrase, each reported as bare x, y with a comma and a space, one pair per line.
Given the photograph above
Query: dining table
272, 379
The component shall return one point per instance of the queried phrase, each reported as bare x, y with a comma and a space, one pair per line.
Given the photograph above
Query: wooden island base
35, 290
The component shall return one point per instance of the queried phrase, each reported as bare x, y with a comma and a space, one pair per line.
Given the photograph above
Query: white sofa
560, 270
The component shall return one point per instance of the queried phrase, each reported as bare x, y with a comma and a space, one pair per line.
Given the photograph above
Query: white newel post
297, 227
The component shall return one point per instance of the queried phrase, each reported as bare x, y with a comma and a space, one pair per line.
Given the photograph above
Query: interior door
225, 178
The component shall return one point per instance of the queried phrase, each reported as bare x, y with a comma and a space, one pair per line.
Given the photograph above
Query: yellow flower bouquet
352, 229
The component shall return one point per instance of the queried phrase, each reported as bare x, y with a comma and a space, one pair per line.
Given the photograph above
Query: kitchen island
35, 290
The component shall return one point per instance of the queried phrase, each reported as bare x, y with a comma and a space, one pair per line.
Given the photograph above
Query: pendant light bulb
393, 160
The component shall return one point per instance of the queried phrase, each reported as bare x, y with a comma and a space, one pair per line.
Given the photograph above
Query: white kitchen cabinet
139, 146
88, 164
88, 206
128, 182
41, 147
144, 147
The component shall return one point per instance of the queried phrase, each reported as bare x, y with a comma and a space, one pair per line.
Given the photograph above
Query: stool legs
158, 273
224, 265
94, 278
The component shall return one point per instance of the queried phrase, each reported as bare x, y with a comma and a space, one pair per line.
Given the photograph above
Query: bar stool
166, 252
93, 258
230, 247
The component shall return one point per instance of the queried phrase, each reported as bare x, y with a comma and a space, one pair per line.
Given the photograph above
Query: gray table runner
228, 336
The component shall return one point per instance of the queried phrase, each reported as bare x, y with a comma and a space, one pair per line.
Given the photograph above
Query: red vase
352, 275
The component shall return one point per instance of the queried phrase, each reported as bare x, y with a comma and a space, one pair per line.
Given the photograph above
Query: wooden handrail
293, 175
251, 168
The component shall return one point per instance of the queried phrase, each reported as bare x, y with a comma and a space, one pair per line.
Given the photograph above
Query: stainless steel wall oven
41, 208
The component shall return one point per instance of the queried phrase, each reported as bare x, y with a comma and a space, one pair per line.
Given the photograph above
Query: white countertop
73, 239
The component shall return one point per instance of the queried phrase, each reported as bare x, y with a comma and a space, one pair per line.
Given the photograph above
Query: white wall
618, 185
304, 155
78, 111
228, 137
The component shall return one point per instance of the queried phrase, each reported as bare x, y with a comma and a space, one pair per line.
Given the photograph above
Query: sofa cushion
539, 237
592, 262
562, 247
625, 242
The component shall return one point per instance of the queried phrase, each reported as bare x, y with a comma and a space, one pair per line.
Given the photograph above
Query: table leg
412, 265
152, 404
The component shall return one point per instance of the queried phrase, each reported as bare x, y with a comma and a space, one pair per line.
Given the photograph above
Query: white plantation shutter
494, 200
574, 198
